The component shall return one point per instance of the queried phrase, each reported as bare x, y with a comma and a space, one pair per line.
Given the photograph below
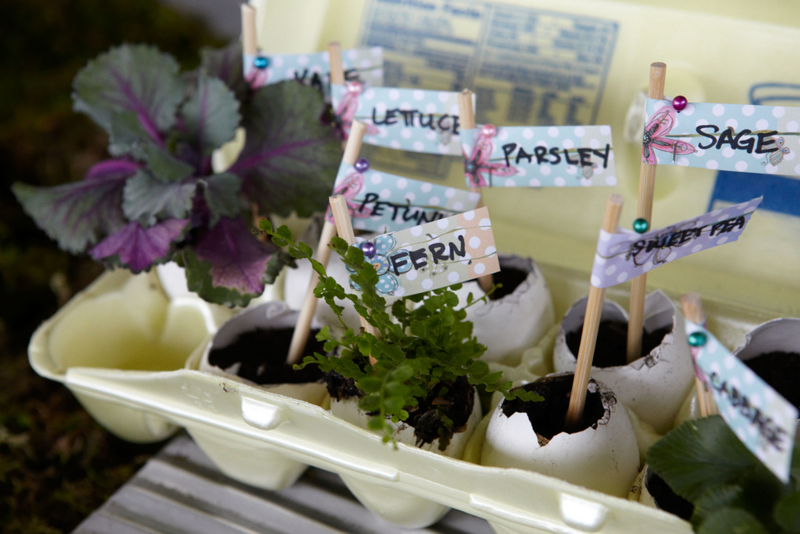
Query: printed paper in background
383, 202
625, 255
413, 120
435, 255
727, 137
538, 156
364, 64
762, 419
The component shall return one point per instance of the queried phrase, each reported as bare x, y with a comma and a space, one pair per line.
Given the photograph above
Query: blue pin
261, 62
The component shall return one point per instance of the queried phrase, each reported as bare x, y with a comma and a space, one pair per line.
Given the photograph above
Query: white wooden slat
180, 491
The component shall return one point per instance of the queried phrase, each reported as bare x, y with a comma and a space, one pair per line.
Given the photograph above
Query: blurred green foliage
56, 464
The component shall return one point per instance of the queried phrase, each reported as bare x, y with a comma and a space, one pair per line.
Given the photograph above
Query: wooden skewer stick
345, 229
466, 120
692, 306
644, 210
249, 37
303, 327
591, 323
337, 71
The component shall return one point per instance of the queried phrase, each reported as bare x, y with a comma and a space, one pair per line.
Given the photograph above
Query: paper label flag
626, 255
538, 156
762, 419
383, 202
743, 138
435, 255
365, 65
404, 119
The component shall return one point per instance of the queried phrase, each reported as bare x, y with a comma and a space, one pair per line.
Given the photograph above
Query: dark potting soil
665, 498
452, 399
612, 342
548, 417
510, 278
340, 387
780, 370
262, 354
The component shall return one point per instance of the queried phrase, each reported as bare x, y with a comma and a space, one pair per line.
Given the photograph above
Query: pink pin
679, 103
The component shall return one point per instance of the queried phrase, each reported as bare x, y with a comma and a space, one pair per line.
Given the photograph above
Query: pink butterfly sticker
348, 105
478, 170
655, 137
349, 188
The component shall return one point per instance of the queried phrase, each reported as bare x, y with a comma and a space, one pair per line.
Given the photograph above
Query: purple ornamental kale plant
158, 197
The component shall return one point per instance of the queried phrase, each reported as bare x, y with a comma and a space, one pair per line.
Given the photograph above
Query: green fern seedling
419, 353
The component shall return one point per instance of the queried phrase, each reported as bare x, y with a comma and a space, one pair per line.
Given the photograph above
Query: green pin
640, 226
697, 339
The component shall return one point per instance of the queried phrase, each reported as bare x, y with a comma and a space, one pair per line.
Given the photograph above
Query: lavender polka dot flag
435, 255
761, 418
726, 137
625, 255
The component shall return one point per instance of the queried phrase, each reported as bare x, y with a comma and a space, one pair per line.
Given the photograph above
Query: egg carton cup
121, 347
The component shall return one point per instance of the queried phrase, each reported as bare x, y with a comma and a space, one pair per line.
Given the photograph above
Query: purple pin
679, 103
362, 165
368, 248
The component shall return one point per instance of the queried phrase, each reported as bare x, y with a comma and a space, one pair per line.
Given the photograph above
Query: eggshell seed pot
776, 336
602, 457
276, 471
395, 506
653, 386
510, 325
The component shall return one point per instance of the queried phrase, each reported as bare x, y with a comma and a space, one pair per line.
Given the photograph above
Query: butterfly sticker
478, 170
348, 105
655, 137
773, 158
349, 188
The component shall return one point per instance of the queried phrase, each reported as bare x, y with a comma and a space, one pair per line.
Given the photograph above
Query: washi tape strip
364, 65
538, 156
383, 202
760, 417
435, 255
404, 119
728, 137
625, 255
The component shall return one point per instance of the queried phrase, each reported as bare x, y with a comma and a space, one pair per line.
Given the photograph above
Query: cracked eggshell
778, 335
269, 315
516, 322
654, 386
605, 458
392, 505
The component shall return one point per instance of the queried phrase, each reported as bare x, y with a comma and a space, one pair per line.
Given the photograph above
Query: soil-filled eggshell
654, 386
603, 457
516, 321
395, 506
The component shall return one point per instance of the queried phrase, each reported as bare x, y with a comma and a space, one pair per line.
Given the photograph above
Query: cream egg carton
122, 348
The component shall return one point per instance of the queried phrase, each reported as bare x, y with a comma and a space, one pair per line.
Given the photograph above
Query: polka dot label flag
435, 254
314, 69
625, 255
383, 202
726, 137
413, 120
761, 418
538, 156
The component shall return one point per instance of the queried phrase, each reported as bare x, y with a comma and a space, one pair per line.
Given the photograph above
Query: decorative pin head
697, 339
489, 130
261, 62
679, 103
362, 165
354, 87
368, 248
640, 226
